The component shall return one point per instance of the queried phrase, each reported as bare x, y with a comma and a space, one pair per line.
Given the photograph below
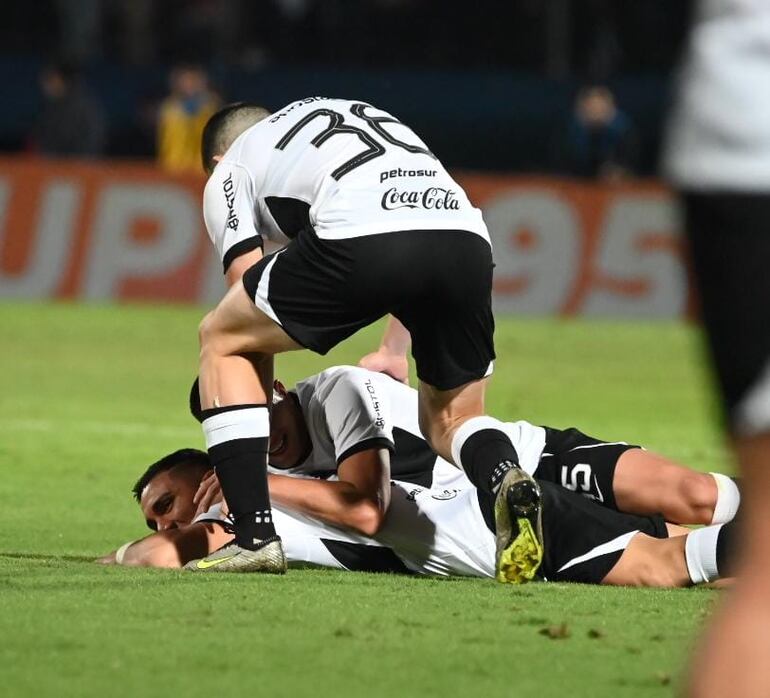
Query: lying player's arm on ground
391, 358
359, 500
172, 548
228, 210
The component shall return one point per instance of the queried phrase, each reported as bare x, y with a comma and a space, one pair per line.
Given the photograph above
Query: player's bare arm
390, 357
240, 264
172, 548
359, 500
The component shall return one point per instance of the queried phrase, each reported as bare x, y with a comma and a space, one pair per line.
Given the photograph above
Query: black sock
486, 456
237, 439
726, 543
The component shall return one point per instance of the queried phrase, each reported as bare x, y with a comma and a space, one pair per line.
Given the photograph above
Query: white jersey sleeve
228, 210
347, 410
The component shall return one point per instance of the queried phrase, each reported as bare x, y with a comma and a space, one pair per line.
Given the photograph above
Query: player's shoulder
229, 172
300, 107
347, 383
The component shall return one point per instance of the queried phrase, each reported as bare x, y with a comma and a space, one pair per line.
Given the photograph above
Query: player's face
289, 438
167, 501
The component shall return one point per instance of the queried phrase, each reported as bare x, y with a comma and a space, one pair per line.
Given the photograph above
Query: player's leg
645, 483
446, 306
584, 540
630, 479
730, 243
238, 341
454, 423
686, 557
592, 544
312, 294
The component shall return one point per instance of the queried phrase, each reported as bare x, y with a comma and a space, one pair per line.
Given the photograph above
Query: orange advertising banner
126, 232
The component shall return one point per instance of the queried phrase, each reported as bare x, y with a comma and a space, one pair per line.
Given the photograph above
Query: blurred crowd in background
587, 79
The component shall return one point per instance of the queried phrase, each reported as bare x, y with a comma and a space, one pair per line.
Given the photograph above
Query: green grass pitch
90, 395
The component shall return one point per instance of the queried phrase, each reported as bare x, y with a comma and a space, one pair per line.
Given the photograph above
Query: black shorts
729, 237
437, 282
582, 540
581, 463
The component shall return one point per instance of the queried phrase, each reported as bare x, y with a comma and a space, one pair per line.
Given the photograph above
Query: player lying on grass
348, 416
437, 531
344, 420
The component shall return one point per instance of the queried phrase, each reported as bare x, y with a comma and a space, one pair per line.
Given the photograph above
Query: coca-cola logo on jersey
432, 198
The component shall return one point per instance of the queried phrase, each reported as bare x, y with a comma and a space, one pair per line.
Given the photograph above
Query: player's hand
384, 361
209, 493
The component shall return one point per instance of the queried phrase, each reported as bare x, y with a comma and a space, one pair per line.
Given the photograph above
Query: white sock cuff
245, 423
728, 499
467, 429
700, 551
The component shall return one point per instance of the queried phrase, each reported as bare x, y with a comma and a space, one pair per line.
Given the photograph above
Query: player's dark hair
191, 457
225, 126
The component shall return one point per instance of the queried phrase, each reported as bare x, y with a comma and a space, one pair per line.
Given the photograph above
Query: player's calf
700, 556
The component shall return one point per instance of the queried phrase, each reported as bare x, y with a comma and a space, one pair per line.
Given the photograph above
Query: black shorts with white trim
437, 282
729, 234
581, 463
582, 541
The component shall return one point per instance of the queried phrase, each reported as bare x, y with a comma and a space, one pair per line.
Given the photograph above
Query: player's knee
699, 492
205, 329
427, 423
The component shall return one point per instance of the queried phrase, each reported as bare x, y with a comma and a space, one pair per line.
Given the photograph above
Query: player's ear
195, 401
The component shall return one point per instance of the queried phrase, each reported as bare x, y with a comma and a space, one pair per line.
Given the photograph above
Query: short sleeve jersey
344, 168
429, 531
348, 409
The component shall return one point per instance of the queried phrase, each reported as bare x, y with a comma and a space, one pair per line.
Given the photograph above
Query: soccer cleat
267, 558
518, 523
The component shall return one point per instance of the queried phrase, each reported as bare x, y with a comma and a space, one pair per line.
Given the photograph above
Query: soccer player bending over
376, 226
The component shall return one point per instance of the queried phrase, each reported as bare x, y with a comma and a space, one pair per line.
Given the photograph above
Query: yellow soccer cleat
518, 522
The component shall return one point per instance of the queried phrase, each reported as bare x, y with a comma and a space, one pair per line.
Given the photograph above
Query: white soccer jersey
348, 408
343, 167
427, 531
719, 135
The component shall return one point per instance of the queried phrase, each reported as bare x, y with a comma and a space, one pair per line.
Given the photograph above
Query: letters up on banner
127, 232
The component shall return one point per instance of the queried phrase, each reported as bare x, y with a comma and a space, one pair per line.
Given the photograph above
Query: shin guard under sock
237, 440
484, 451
